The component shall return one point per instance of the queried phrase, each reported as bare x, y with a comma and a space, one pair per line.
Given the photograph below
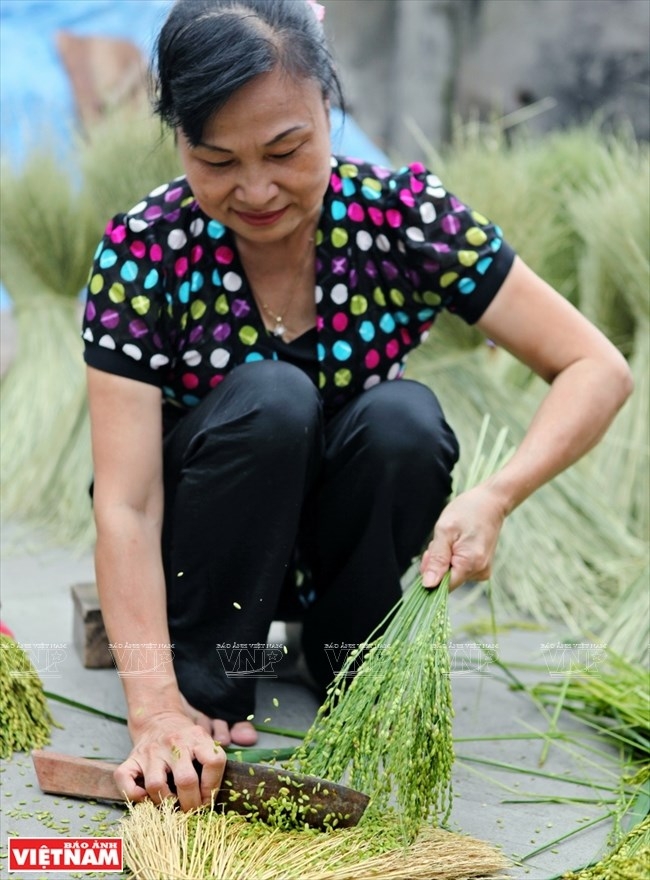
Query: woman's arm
128, 506
589, 382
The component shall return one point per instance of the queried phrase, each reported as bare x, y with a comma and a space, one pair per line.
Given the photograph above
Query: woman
243, 326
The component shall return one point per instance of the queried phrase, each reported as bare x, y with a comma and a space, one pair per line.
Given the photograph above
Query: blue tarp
36, 99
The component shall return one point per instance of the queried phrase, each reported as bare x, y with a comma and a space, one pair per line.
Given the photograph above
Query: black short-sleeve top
168, 301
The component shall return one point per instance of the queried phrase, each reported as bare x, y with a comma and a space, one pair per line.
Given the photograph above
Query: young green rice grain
26, 720
630, 860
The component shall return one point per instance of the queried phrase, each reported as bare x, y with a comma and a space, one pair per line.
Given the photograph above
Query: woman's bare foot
242, 733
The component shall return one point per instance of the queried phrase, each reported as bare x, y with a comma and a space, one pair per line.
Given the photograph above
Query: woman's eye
284, 155
227, 163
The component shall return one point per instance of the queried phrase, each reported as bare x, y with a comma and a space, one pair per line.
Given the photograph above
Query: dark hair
207, 49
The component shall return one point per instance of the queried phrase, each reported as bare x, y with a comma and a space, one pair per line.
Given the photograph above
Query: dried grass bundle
526, 190
612, 218
162, 843
52, 218
47, 244
51, 223
115, 181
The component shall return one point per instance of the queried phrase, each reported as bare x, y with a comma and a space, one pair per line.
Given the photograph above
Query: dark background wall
552, 62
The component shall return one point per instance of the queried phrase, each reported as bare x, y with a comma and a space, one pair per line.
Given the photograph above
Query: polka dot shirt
168, 301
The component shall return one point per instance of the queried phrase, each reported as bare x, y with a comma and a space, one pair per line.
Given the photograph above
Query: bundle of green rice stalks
630, 860
162, 843
26, 720
361, 731
47, 243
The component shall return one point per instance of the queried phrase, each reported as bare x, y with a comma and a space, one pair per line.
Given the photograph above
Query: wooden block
88, 633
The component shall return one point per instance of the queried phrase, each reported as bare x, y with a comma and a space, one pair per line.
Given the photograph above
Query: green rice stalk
66, 510
362, 732
166, 844
26, 720
617, 695
630, 860
43, 379
626, 632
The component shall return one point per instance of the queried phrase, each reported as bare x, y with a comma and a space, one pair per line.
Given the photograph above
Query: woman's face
263, 163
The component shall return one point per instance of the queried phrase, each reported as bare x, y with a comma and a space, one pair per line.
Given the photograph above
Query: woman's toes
243, 734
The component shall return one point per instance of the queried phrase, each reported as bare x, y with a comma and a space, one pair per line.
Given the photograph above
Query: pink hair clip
319, 9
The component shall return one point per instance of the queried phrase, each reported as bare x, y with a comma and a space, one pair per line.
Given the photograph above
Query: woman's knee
269, 394
269, 408
403, 421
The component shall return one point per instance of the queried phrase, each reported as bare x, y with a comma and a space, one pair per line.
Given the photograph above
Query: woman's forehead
266, 107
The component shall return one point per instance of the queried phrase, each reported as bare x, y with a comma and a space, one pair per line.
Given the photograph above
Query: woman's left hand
464, 539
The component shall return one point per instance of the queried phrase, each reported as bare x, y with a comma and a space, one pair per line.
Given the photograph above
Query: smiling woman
254, 457
272, 161
262, 168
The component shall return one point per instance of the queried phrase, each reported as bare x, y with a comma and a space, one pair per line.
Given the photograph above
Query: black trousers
258, 484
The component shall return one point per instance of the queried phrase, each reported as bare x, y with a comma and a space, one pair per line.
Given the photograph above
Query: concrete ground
509, 808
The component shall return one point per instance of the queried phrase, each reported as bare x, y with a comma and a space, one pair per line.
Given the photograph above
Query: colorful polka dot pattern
168, 301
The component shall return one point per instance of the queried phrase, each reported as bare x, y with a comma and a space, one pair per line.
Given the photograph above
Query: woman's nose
256, 191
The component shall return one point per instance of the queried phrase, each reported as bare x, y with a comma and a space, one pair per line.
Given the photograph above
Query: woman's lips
259, 218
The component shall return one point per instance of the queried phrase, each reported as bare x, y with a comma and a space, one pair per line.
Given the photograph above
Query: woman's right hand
167, 744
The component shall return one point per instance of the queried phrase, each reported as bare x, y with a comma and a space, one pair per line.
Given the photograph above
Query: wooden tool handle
76, 777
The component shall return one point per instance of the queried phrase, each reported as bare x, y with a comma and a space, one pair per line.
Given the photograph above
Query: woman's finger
436, 560
128, 777
212, 759
186, 778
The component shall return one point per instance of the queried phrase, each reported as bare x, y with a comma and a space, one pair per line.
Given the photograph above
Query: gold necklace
280, 328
